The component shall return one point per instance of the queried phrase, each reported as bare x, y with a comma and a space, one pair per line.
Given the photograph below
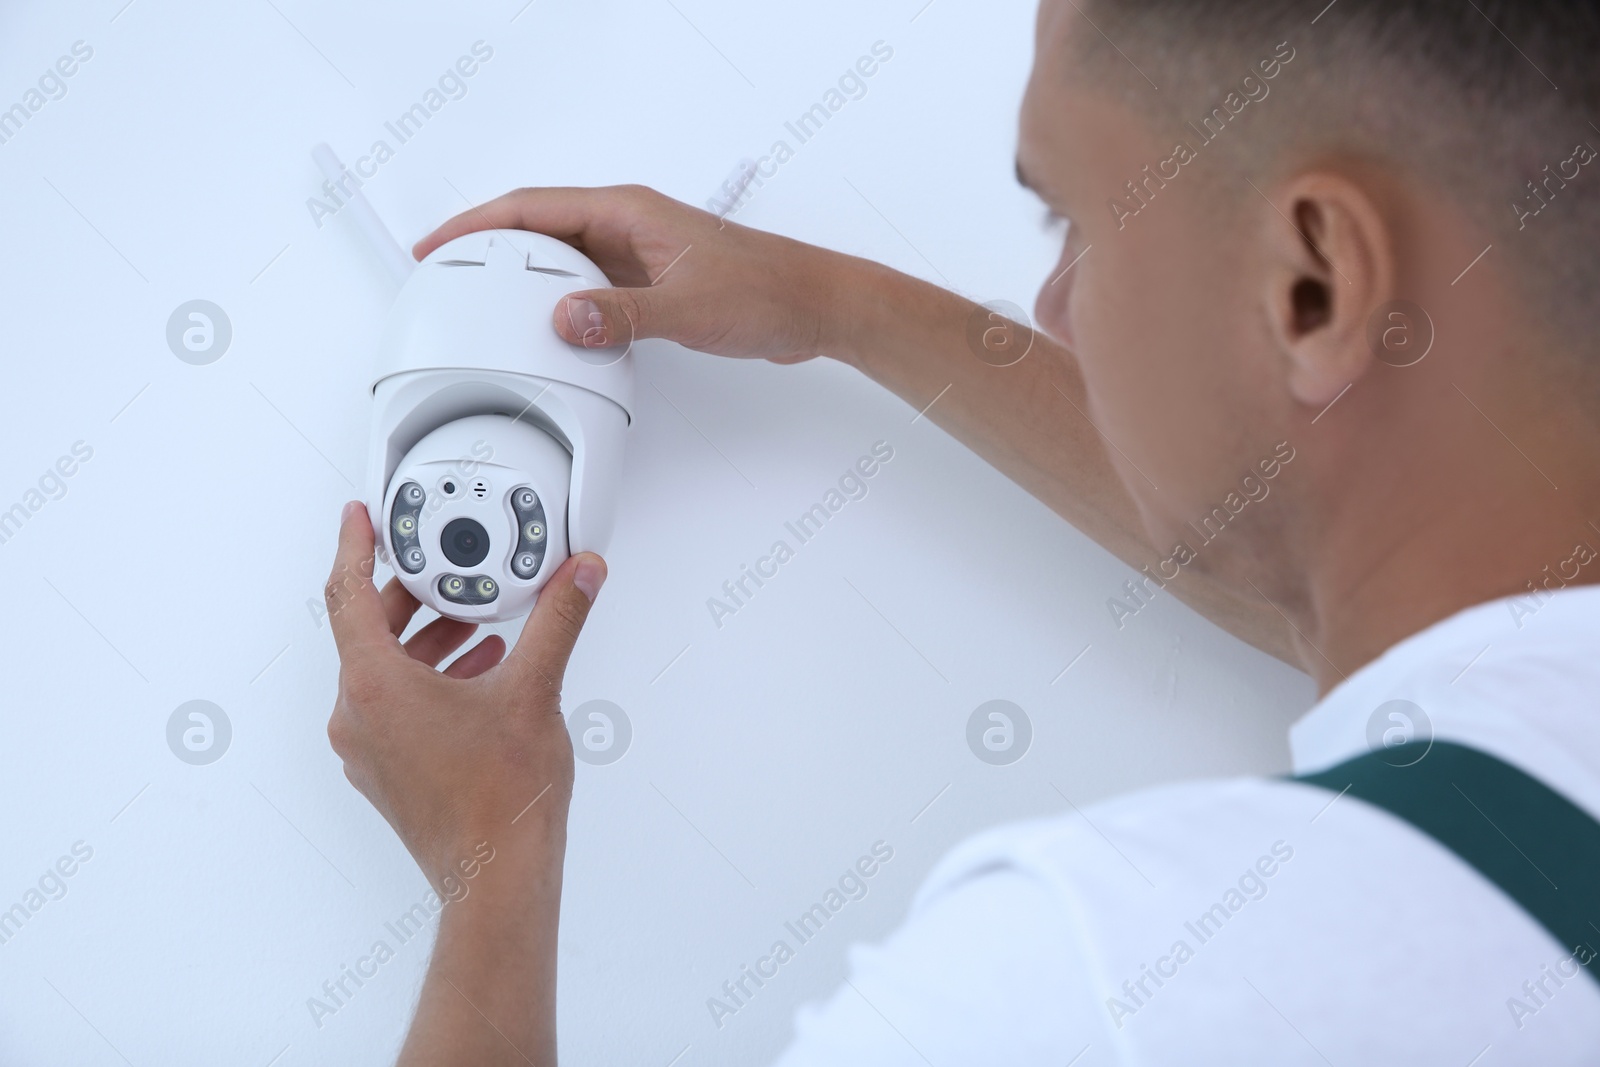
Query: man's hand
684, 274
718, 287
451, 758
469, 764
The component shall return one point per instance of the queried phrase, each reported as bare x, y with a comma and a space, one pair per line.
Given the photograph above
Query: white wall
181, 560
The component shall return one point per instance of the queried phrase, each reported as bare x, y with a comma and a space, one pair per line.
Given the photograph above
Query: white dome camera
496, 446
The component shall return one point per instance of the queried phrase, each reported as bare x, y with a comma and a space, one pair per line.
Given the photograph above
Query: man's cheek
1117, 362
1099, 323
1052, 310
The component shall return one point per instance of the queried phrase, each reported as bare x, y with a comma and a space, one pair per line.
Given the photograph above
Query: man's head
1253, 188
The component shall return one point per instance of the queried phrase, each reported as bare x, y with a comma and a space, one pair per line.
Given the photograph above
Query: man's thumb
613, 318
558, 617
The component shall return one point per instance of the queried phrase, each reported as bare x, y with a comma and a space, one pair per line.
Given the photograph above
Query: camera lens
465, 542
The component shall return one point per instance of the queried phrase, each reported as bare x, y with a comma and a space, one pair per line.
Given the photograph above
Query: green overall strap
1542, 850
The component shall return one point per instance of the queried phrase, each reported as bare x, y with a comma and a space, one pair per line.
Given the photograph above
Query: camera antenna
396, 262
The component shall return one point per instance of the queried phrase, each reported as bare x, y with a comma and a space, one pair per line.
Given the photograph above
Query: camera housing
497, 447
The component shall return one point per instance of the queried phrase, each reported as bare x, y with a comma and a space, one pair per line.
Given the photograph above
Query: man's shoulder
1272, 859
1190, 901
1170, 834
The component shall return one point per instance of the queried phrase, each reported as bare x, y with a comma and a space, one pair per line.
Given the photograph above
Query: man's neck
1470, 517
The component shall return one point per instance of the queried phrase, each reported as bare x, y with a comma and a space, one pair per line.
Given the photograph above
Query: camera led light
403, 523
474, 590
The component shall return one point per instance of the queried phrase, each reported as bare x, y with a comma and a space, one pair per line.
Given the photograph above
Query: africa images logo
1399, 732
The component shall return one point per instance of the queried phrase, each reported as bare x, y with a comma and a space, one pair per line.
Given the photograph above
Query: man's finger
398, 605
479, 658
563, 213
438, 639
355, 610
615, 318
540, 657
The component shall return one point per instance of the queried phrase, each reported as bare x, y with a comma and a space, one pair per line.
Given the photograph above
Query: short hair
1488, 100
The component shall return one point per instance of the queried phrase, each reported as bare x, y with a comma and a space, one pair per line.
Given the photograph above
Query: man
1347, 255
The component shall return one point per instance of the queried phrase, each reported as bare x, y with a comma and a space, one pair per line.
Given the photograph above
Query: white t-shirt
1253, 921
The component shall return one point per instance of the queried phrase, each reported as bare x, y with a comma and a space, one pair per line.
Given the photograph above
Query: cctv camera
496, 446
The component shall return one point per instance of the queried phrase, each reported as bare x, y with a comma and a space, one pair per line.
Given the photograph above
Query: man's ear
1330, 264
